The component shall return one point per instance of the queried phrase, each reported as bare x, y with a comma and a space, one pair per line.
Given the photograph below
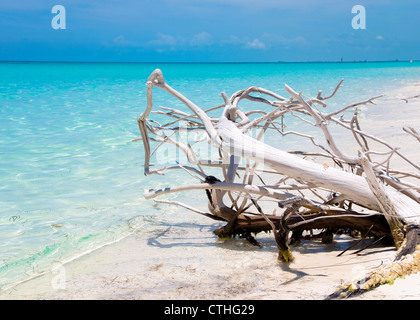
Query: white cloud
266, 41
278, 39
255, 44
164, 40
123, 42
201, 39
379, 37
232, 40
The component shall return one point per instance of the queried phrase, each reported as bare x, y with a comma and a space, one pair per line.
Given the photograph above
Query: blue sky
209, 30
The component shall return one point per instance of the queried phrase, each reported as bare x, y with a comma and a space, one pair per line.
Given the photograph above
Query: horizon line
209, 62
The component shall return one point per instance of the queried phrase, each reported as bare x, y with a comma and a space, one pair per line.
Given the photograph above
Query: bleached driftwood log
322, 187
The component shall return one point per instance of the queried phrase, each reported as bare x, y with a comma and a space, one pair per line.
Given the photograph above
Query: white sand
189, 263
184, 260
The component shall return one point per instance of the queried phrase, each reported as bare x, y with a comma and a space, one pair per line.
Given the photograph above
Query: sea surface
71, 177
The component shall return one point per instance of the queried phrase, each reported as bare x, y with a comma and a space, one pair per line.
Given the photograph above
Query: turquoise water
71, 179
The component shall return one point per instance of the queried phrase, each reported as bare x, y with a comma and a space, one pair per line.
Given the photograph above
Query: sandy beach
181, 262
190, 263
183, 259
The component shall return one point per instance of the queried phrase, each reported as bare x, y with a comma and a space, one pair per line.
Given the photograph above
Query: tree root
384, 275
281, 226
406, 262
285, 255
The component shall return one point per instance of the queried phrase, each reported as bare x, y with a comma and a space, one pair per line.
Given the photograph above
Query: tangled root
409, 264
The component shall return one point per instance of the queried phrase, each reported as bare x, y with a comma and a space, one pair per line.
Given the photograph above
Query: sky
209, 30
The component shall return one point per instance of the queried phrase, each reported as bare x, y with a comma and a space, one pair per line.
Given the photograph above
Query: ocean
71, 178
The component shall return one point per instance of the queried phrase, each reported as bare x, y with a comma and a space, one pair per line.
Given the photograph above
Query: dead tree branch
316, 189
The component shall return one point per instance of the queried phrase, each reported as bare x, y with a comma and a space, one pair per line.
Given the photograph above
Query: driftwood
321, 186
